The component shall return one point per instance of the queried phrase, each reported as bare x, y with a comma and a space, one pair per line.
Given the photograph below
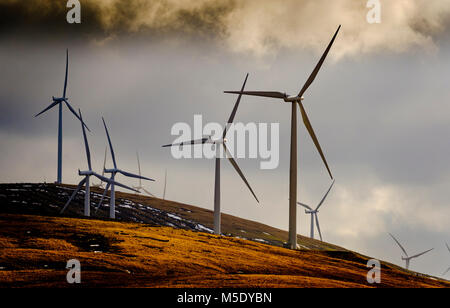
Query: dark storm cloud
103, 19
44, 18
259, 27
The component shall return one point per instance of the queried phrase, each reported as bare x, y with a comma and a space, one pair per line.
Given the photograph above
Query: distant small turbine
140, 187
87, 174
407, 259
314, 212
58, 101
114, 171
448, 270
221, 142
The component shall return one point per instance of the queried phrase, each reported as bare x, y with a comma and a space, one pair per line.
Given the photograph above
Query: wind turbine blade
305, 206
313, 136
270, 94
236, 167
104, 162
445, 273
131, 175
114, 182
86, 144
318, 227
73, 194
325, 196
192, 142
318, 66
67, 69
49, 107
104, 179
103, 197
165, 185
236, 105
447, 247
139, 163
400, 245
147, 192
110, 144
76, 115
420, 254
139, 169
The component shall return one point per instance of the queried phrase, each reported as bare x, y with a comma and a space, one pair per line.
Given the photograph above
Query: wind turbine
221, 142
140, 187
87, 174
314, 212
114, 171
448, 270
294, 100
100, 185
59, 101
407, 259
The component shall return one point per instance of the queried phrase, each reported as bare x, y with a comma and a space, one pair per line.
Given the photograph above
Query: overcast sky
380, 106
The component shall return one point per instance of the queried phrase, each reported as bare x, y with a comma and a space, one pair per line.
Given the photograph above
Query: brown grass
48, 200
34, 251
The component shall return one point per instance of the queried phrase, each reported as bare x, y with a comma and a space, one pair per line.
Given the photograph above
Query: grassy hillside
160, 243
48, 199
34, 251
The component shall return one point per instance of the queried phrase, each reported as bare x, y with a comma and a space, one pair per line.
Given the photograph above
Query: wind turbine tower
86, 181
294, 101
59, 101
448, 270
218, 143
113, 172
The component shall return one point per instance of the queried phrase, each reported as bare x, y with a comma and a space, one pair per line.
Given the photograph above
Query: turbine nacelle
218, 141
114, 170
293, 99
311, 212
85, 173
59, 99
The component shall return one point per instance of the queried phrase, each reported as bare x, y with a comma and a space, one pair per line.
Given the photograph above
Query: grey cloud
258, 27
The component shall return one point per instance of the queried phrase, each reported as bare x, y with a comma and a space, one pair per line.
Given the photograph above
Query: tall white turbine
407, 259
218, 143
100, 185
114, 171
294, 100
87, 174
58, 101
140, 187
314, 212
448, 270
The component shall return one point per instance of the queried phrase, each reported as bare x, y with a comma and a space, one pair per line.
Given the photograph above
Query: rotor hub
293, 99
